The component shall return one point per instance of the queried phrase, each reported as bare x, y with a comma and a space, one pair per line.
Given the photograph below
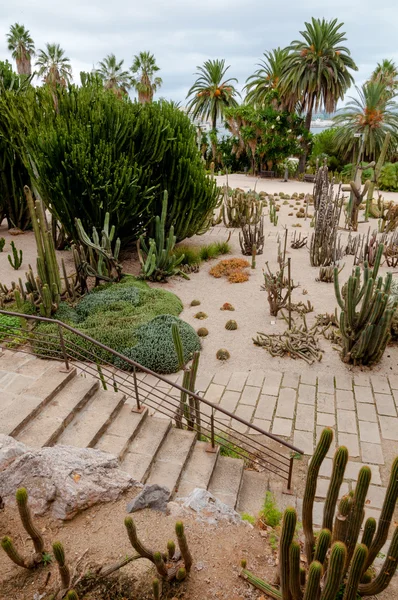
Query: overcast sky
183, 34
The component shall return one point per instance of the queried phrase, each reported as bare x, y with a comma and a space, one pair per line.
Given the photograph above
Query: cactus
2, 243
135, 542
157, 259
26, 518
171, 549
356, 568
241, 208
201, 316
227, 306
357, 511
190, 409
339, 465
335, 571
231, 325
252, 236
294, 571
13, 554
273, 217
156, 589
368, 532
366, 333
72, 595
321, 451
183, 545
341, 520
261, 585
181, 574
313, 581
160, 564
288, 528
222, 354
202, 332
322, 545
63, 569
16, 260
386, 573
195, 302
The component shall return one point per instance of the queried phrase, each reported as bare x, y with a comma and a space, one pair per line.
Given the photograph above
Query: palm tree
144, 67
111, 72
22, 47
316, 71
267, 77
371, 114
211, 93
54, 66
386, 72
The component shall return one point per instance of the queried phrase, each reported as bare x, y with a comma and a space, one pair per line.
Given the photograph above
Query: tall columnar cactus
339, 465
183, 545
27, 522
157, 259
252, 236
63, 568
16, 259
366, 315
345, 570
189, 407
156, 589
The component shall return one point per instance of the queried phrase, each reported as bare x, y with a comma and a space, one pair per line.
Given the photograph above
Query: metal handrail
207, 422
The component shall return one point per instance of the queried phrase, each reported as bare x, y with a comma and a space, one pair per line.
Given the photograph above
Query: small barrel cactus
223, 354
231, 325
195, 302
227, 306
202, 332
201, 315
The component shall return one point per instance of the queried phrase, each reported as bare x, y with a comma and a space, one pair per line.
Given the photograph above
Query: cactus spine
335, 571
381, 581
16, 260
288, 529
183, 545
63, 569
322, 545
356, 568
313, 581
321, 451
26, 518
339, 465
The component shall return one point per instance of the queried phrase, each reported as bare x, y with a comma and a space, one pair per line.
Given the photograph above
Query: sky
183, 34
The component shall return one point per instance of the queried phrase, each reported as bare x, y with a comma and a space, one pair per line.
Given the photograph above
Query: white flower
278, 118
272, 126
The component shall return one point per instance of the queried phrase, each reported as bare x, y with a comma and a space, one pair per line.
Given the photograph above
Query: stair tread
144, 447
16, 414
252, 492
89, 424
171, 459
121, 431
198, 471
226, 480
53, 417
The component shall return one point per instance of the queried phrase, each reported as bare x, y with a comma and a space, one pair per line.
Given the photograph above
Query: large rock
64, 479
206, 506
152, 496
10, 449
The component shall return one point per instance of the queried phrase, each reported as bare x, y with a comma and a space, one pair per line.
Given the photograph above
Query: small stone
152, 496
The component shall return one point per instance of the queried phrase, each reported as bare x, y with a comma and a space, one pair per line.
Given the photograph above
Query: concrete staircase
58, 407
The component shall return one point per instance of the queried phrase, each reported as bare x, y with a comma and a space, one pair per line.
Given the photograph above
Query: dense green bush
388, 179
91, 152
324, 146
155, 347
129, 317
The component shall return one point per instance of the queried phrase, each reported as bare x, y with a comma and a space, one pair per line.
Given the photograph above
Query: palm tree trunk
307, 125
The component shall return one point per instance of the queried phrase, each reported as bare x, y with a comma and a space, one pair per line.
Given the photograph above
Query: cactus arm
368, 532
321, 451
322, 545
337, 289
160, 564
63, 569
387, 571
135, 542
287, 533
357, 511
354, 576
313, 581
335, 572
339, 465
12, 553
261, 585
183, 545
294, 571
27, 522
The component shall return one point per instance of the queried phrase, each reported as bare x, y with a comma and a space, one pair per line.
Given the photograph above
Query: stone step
122, 431
46, 428
252, 492
171, 459
198, 470
226, 480
16, 411
90, 423
144, 447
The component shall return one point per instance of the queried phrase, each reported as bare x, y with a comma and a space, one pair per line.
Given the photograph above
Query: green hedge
388, 179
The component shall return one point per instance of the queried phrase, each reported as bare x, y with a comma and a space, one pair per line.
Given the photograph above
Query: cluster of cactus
189, 406
273, 217
298, 241
357, 194
169, 565
16, 259
2, 243
366, 313
157, 259
336, 559
95, 257
325, 246
241, 208
252, 236
278, 288
326, 274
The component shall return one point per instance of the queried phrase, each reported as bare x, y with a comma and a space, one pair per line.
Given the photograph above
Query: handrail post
63, 348
289, 477
212, 446
138, 407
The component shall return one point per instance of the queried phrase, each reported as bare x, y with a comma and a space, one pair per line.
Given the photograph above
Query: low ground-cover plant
129, 317
234, 269
194, 255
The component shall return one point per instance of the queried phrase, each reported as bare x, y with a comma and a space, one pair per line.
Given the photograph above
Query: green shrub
270, 513
249, 518
388, 179
191, 254
155, 347
6, 323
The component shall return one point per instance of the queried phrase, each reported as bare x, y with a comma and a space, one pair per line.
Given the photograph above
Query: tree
54, 66
386, 73
316, 71
111, 72
22, 47
372, 115
144, 68
267, 77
